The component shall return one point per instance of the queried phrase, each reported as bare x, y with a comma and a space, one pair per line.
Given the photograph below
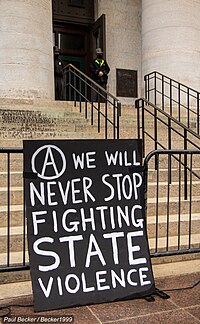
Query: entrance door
74, 44
77, 61
99, 34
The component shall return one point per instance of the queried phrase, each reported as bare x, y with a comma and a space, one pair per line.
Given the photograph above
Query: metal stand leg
162, 294
159, 293
150, 298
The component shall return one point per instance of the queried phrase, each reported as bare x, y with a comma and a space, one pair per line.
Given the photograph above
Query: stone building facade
137, 36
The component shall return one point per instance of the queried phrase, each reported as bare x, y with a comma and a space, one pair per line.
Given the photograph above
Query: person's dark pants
59, 88
97, 94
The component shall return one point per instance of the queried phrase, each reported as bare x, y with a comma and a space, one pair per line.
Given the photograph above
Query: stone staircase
166, 194
27, 119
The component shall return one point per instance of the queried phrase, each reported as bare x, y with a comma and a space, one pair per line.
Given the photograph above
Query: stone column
26, 53
171, 39
123, 39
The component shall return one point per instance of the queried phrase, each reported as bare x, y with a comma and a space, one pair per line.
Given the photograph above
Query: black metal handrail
164, 132
180, 101
174, 227
10, 216
161, 120
97, 103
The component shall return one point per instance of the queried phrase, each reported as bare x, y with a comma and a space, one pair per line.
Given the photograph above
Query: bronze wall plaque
126, 83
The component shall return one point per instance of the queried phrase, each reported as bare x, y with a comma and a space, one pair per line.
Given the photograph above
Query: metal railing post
183, 104
185, 166
188, 107
106, 120
70, 81
163, 229
8, 209
179, 102
85, 89
137, 106
119, 107
170, 96
143, 133
198, 113
145, 87
7, 155
155, 89
163, 96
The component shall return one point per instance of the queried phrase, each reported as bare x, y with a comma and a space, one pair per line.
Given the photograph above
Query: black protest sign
86, 228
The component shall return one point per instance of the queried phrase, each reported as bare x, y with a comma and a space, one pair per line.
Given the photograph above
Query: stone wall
170, 39
141, 35
26, 53
123, 38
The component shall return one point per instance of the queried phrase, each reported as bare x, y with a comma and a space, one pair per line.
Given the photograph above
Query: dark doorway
99, 34
76, 33
74, 45
72, 26
77, 61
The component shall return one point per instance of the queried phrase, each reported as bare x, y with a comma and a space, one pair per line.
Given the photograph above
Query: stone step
18, 143
52, 118
162, 267
33, 104
51, 115
15, 217
162, 205
16, 284
54, 135
16, 162
164, 173
62, 124
28, 118
56, 132
16, 239
16, 233
16, 192
19, 137
74, 132
16, 257
149, 124
176, 145
49, 106
173, 243
175, 164
65, 126
16, 165
162, 201
30, 115
173, 226
173, 205
175, 188
33, 130
16, 177
16, 211
51, 124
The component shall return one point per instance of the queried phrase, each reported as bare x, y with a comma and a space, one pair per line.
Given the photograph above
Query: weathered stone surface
26, 54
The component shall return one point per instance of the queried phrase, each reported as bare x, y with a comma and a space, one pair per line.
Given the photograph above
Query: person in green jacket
99, 70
